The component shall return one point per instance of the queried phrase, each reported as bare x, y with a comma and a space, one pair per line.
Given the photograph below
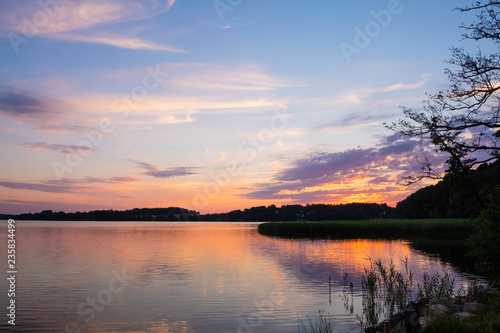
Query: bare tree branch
463, 121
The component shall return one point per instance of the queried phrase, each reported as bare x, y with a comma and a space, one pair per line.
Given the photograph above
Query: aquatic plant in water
386, 291
323, 324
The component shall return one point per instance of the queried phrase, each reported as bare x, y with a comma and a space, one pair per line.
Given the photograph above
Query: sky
214, 105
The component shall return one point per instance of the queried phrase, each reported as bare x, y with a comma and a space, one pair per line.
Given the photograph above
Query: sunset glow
120, 104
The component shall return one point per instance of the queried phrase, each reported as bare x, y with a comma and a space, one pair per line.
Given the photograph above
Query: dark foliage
318, 212
484, 243
8, 216
136, 214
456, 196
463, 121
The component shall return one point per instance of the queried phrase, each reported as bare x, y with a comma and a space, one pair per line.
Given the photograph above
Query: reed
322, 324
437, 288
386, 291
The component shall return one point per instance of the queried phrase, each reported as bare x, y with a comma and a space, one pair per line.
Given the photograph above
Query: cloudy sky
213, 105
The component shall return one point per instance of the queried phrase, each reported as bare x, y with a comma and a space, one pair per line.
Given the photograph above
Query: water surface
187, 277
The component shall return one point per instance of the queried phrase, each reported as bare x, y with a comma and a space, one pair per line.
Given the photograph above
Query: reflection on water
197, 277
451, 249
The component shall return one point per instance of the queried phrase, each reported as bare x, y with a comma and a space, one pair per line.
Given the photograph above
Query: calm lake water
179, 277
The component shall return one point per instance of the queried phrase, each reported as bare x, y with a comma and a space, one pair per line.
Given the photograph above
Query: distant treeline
136, 214
456, 196
317, 212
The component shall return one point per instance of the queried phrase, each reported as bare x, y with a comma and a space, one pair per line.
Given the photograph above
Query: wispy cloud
42, 187
65, 185
91, 180
64, 16
190, 89
238, 24
213, 77
157, 172
408, 86
355, 120
81, 18
21, 104
118, 41
162, 107
60, 148
171, 172
194, 89
38, 110
361, 95
171, 119
243, 77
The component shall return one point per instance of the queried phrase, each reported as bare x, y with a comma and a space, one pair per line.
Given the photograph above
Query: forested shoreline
316, 212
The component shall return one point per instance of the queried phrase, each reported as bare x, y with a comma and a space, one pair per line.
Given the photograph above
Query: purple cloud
39, 111
144, 165
60, 148
20, 104
391, 156
157, 172
322, 166
355, 119
89, 180
42, 187
65, 185
172, 172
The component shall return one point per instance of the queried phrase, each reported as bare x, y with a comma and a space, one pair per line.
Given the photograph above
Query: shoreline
368, 228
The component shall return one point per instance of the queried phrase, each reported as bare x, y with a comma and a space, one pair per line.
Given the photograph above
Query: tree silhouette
463, 121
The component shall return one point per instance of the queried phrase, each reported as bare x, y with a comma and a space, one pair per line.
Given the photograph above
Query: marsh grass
322, 324
386, 291
348, 293
371, 228
437, 288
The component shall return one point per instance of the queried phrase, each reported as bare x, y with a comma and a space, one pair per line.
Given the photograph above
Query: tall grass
348, 293
437, 288
386, 291
362, 228
323, 324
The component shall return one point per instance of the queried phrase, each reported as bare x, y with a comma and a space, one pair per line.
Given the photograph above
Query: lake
188, 277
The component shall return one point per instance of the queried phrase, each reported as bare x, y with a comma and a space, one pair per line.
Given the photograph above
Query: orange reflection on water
344, 254
187, 276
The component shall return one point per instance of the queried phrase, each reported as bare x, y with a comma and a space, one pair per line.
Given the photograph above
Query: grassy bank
367, 228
